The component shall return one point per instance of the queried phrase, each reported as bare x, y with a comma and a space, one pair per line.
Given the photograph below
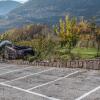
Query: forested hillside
49, 12
7, 5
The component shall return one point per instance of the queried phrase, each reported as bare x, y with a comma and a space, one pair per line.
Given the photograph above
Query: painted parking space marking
35, 80
10, 68
4, 67
38, 94
50, 84
53, 81
23, 73
16, 70
7, 66
71, 87
30, 92
29, 75
88, 93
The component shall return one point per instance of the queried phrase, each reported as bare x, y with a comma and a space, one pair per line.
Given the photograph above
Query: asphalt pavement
24, 82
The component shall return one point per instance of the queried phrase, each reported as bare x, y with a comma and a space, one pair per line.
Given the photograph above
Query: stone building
16, 52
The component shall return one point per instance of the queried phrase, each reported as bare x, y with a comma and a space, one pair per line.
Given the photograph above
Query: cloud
22, 1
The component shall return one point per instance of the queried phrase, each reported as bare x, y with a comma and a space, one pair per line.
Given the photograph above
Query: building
17, 52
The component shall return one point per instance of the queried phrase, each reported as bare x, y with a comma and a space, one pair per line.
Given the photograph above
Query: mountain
49, 12
7, 5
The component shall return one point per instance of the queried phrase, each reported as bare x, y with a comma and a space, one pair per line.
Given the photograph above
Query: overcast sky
22, 1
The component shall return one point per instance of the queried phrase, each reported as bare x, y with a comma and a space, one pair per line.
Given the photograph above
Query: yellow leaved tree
67, 31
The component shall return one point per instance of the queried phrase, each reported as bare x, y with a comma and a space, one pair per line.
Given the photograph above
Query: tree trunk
98, 49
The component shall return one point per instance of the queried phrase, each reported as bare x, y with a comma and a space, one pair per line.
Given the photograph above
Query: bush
29, 58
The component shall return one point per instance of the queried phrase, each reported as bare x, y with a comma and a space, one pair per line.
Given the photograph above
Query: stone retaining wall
87, 64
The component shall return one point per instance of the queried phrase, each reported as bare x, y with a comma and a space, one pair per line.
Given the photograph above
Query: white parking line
88, 93
5, 67
29, 75
34, 93
53, 81
16, 70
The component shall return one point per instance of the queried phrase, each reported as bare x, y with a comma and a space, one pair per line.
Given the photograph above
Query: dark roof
21, 47
6, 42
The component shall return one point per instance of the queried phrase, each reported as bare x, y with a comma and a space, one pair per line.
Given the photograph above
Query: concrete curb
86, 64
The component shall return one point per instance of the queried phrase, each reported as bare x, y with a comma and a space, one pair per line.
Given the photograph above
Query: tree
67, 31
98, 41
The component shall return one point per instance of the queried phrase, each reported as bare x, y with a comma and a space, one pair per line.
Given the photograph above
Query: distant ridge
49, 12
7, 5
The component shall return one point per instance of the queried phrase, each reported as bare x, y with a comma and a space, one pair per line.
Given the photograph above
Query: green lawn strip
88, 51
85, 52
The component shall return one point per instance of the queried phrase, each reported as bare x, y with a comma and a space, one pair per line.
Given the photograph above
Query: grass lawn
85, 52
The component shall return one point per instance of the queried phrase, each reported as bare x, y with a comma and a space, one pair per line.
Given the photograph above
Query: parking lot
23, 82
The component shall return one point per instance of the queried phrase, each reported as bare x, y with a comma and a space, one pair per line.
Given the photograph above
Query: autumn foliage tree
25, 33
98, 41
67, 31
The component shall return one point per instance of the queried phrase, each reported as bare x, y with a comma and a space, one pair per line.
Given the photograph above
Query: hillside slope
49, 12
6, 6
